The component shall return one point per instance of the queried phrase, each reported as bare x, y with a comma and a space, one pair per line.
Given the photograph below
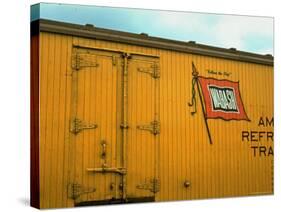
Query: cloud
254, 34
236, 31
241, 32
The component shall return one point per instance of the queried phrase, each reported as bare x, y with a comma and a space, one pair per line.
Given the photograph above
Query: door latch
104, 169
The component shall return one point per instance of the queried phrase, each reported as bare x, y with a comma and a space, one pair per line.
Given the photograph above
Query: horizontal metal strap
119, 170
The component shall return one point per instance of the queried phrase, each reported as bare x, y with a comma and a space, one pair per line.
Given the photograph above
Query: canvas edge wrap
34, 115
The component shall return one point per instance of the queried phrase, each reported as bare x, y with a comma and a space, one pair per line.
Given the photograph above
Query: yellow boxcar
122, 117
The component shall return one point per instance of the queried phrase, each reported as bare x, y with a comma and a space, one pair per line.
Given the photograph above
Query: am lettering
266, 122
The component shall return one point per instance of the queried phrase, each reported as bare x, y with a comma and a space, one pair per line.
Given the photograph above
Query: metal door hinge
74, 190
83, 60
77, 125
152, 185
153, 70
153, 127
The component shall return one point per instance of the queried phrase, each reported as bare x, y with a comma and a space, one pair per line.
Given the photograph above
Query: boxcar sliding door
115, 126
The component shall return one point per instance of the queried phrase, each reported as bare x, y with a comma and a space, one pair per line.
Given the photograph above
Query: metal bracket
153, 185
153, 70
83, 60
104, 169
74, 190
153, 127
77, 125
124, 126
186, 183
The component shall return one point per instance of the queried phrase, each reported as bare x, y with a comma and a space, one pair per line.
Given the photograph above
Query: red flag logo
222, 99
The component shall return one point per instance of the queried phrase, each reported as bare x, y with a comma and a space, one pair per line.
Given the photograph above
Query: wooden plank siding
226, 168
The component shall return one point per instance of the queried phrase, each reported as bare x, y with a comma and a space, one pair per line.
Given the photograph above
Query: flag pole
195, 75
205, 118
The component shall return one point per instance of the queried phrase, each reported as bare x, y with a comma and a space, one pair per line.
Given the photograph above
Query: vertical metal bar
156, 118
73, 115
204, 113
124, 128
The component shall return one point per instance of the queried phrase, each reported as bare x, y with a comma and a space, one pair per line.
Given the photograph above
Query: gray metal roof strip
155, 42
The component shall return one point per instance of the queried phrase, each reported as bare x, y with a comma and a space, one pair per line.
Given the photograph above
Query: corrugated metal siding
226, 168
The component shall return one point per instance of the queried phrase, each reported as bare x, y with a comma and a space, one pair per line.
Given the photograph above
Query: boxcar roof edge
142, 39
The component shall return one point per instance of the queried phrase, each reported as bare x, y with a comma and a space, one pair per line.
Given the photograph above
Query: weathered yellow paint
181, 152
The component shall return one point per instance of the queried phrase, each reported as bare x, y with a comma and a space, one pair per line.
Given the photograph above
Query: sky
245, 33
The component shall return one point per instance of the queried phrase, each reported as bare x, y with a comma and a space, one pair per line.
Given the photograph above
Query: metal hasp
77, 126
153, 127
153, 185
105, 168
153, 70
74, 190
83, 60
